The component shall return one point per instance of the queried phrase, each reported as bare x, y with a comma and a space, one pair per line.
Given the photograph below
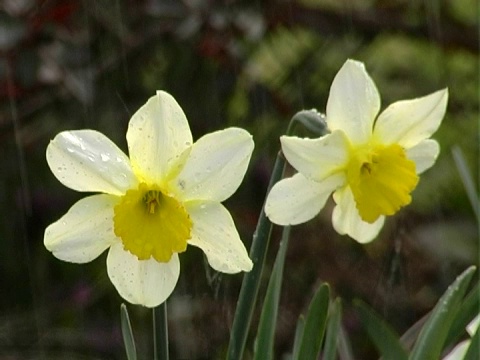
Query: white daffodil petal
214, 232
84, 232
408, 122
459, 351
297, 199
346, 220
216, 165
318, 158
424, 154
157, 135
353, 102
86, 160
143, 282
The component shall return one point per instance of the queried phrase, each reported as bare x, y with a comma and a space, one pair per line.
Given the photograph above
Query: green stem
314, 121
160, 332
251, 280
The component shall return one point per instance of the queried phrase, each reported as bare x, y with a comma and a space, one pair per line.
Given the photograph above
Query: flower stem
313, 121
160, 332
251, 280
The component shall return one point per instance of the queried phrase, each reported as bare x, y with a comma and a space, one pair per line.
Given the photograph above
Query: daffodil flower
370, 164
166, 195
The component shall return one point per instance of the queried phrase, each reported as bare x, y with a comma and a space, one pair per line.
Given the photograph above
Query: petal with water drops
86, 160
353, 103
157, 135
214, 232
297, 199
317, 158
143, 282
85, 231
408, 122
216, 165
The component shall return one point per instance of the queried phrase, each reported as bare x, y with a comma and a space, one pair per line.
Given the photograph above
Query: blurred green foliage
72, 65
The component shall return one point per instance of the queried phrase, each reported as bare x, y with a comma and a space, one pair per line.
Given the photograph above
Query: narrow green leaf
315, 322
383, 336
268, 318
298, 336
467, 311
127, 334
467, 179
473, 352
432, 337
160, 332
333, 330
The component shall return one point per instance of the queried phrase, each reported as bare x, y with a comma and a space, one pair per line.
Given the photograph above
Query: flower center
381, 179
151, 223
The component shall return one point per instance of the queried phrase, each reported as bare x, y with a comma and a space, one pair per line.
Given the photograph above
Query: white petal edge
473, 325
85, 231
158, 133
424, 154
215, 233
346, 219
86, 160
141, 282
296, 200
353, 102
318, 158
216, 165
408, 122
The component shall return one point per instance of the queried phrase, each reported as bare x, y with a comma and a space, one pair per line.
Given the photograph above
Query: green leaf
383, 336
333, 330
467, 179
467, 311
315, 322
127, 334
432, 337
268, 319
298, 336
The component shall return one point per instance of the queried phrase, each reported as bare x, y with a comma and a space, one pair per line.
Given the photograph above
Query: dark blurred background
91, 64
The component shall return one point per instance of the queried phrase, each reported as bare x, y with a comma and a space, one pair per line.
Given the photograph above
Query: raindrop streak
26, 209
123, 41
